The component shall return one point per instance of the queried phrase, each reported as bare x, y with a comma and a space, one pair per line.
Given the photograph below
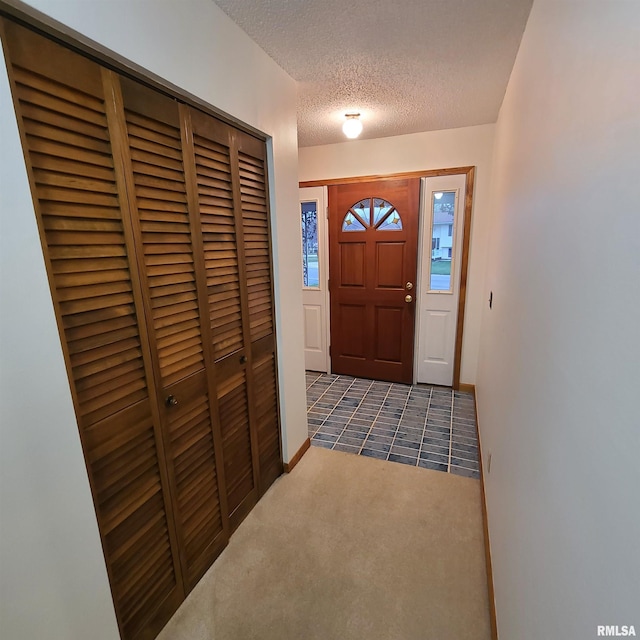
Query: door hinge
327, 212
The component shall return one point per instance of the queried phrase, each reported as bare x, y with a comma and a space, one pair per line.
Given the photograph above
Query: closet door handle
243, 359
171, 401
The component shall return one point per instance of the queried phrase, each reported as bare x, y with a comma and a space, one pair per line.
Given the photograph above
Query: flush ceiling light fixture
352, 126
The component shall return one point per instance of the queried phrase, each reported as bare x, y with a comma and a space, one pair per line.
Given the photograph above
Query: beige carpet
347, 547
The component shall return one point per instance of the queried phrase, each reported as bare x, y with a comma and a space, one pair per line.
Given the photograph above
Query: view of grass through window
441, 267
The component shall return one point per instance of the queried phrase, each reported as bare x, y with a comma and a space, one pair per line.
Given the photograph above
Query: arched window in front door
372, 213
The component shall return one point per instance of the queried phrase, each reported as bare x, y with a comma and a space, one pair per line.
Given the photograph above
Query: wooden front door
373, 238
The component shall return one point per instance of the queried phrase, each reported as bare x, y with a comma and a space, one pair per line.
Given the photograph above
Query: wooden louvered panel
215, 199
66, 135
156, 159
256, 250
236, 439
256, 245
84, 248
74, 240
165, 236
264, 376
122, 456
192, 455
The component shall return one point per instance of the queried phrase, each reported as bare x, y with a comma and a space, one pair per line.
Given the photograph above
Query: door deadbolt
171, 401
408, 286
408, 299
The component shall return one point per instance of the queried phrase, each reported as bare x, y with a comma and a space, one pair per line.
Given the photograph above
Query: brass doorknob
408, 286
408, 299
171, 401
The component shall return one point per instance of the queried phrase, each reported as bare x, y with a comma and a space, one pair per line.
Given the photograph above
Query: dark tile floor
419, 425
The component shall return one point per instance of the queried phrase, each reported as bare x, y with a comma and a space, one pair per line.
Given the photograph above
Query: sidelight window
310, 244
442, 239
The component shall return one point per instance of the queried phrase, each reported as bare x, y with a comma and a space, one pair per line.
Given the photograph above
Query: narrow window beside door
310, 244
442, 240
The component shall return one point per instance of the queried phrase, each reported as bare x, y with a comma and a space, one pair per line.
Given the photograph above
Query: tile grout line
316, 380
463, 456
317, 427
325, 391
450, 432
424, 426
395, 435
386, 395
461, 466
335, 406
467, 457
354, 410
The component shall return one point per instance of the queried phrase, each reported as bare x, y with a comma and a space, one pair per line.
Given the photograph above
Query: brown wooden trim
485, 525
426, 173
467, 388
288, 466
462, 294
59, 32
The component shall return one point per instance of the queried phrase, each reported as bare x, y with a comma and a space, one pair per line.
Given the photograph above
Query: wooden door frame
469, 173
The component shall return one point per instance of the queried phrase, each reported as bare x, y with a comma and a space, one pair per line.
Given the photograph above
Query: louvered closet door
251, 163
169, 253
215, 201
61, 107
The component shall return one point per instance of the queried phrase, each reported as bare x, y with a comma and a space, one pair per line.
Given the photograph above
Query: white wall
559, 369
53, 579
469, 146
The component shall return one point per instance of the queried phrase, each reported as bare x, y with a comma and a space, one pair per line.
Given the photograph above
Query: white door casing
438, 294
315, 299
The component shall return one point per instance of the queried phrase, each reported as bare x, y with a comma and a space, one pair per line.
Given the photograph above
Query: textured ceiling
405, 65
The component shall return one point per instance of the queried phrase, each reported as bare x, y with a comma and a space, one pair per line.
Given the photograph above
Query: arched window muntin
372, 213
